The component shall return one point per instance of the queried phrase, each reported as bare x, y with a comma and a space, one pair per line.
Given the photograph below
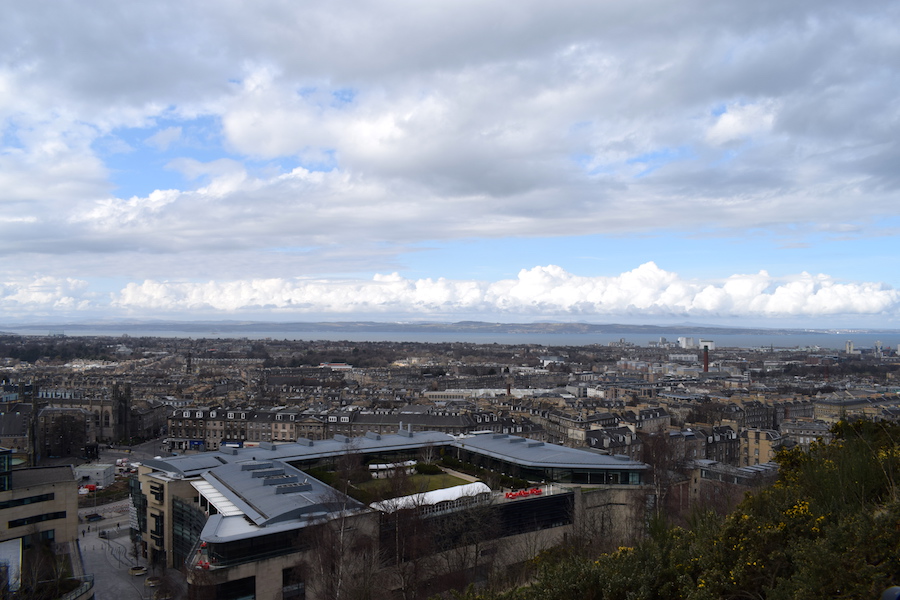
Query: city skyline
646, 162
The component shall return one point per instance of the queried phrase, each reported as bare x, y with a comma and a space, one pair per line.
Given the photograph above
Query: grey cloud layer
442, 121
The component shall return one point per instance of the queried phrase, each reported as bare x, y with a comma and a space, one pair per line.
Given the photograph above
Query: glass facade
583, 475
187, 524
5, 469
255, 548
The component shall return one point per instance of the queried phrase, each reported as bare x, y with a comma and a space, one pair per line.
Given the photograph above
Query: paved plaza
109, 559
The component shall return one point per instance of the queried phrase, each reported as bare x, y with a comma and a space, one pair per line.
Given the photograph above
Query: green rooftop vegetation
414, 484
360, 485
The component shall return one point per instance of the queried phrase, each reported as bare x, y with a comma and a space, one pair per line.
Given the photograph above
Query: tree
466, 541
408, 548
661, 454
341, 560
828, 528
43, 574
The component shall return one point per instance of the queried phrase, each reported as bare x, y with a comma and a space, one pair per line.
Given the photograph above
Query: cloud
329, 141
164, 138
61, 296
536, 292
740, 122
498, 119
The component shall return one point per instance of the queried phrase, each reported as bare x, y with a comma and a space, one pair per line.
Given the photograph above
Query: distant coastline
476, 332
454, 327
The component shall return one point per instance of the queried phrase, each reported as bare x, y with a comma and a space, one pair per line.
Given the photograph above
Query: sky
602, 161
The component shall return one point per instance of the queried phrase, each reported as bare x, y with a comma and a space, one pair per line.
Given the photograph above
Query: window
24, 501
37, 519
292, 585
157, 490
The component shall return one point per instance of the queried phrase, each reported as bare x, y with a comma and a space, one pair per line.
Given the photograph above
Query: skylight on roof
225, 506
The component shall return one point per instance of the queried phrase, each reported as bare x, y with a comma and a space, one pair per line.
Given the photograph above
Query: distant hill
238, 327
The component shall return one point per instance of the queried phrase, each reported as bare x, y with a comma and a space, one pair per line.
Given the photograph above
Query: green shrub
428, 469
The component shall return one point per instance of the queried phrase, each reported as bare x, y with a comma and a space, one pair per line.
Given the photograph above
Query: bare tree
517, 556
662, 456
408, 546
428, 453
592, 522
349, 467
467, 545
342, 561
42, 573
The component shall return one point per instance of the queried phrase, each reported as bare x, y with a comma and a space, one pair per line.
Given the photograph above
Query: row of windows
24, 501
199, 415
201, 425
452, 505
37, 519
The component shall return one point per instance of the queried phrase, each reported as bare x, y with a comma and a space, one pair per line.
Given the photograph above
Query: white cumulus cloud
536, 292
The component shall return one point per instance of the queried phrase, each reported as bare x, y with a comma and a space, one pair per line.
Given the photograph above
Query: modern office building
251, 522
37, 506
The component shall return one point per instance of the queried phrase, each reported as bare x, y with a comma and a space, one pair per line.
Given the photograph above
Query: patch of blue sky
588, 164
719, 110
323, 160
660, 158
702, 256
343, 96
140, 173
861, 254
139, 163
104, 286
9, 138
322, 97
494, 259
585, 161
725, 158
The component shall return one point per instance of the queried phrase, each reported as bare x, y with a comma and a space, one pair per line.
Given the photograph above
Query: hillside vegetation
829, 528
